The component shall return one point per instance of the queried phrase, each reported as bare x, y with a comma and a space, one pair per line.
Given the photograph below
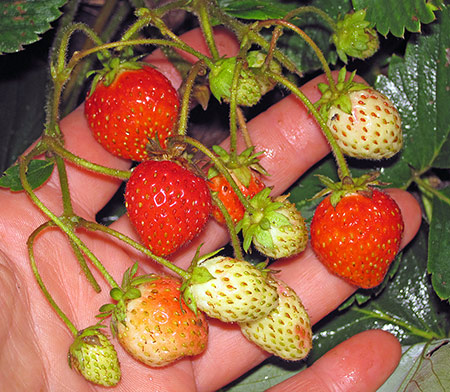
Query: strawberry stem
188, 85
233, 109
378, 314
66, 224
313, 10
231, 227
248, 33
243, 127
30, 245
94, 226
222, 169
159, 23
344, 171
309, 41
201, 6
435, 192
56, 147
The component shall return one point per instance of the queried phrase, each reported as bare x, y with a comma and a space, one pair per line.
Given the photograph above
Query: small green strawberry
276, 229
253, 84
94, 356
235, 290
284, 332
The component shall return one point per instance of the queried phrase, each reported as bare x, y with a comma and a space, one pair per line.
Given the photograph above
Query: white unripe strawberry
286, 331
288, 234
371, 129
237, 291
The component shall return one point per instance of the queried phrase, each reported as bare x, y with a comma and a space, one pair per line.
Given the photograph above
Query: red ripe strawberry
158, 328
167, 204
359, 237
139, 104
229, 198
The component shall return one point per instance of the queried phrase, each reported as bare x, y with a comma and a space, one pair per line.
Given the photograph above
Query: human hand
35, 342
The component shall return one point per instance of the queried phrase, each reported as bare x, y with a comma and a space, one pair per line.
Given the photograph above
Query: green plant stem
344, 170
222, 169
64, 183
435, 192
233, 109
56, 147
94, 226
60, 75
30, 246
84, 267
243, 126
201, 6
66, 224
158, 22
310, 42
246, 32
74, 86
77, 56
428, 335
313, 10
188, 85
231, 227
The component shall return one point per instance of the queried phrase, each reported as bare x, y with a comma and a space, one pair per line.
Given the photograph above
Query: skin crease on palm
34, 341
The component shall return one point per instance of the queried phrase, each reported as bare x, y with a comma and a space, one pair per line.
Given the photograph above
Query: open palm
34, 342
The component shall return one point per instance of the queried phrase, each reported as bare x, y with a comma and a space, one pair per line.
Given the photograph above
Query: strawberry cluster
135, 113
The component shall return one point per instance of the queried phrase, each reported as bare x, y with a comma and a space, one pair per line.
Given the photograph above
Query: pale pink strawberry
284, 332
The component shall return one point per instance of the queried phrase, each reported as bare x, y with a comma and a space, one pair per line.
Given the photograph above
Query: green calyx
240, 166
253, 83
339, 97
198, 275
362, 185
354, 37
256, 225
127, 291
112, 66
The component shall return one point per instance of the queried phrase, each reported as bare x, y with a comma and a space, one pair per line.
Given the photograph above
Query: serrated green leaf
423, 367
396, 17
21, 22
38, 173
439, 246
418, 86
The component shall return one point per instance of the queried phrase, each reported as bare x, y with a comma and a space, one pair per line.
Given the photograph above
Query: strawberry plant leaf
424, 367
418, 83
406, 14
38, 173
439, 245
255, 9
22, 22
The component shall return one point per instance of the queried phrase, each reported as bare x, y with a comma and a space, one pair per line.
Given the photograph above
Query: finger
320, 291
361, 363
